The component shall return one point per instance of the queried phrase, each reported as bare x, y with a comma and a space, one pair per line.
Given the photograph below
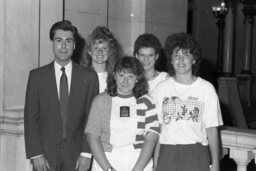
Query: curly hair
128, 64
102, 34
147, 40
185, 42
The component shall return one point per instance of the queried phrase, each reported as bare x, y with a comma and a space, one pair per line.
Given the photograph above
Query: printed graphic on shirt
189, 109
124, 111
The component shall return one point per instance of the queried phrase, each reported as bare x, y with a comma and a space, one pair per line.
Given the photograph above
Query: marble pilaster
23, 26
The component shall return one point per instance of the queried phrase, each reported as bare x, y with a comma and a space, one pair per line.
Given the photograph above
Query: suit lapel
74, 89
53, 91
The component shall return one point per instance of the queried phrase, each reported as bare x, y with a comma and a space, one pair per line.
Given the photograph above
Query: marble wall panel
20, 50
50, 12
2, 14
85, 22
127, 21
85, 15
161, 18
121, 9
122, 31
166, 17
167, 12
163, 30
96, 7
13, 154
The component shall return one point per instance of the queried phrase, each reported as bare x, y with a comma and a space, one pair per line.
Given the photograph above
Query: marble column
249, 11
228, 40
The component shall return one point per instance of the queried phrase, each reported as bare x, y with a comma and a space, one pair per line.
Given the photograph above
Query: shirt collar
68, 67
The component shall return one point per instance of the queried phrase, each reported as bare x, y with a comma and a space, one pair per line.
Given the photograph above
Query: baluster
242, 157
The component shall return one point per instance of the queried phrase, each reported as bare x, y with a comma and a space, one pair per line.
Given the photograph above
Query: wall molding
12, 123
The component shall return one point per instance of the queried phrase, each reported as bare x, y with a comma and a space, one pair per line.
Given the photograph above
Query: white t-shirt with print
185, 111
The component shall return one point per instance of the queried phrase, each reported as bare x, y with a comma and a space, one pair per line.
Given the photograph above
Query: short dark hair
132, 65
186, 42
147, 40
65, 25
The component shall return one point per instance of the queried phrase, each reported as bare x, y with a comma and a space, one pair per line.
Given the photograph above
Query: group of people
113, 113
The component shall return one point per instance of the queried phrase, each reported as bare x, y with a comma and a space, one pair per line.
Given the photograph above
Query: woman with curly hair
102, 54
123, 125
189, 111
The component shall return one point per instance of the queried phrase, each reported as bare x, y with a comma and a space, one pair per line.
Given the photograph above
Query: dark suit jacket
42, 115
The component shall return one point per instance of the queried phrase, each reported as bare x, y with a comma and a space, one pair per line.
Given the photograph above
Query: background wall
127, 19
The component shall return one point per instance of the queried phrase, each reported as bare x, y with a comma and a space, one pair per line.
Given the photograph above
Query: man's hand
40, 163
83, 163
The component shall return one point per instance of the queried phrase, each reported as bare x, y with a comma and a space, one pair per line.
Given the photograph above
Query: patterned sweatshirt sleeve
94, 124
151, 118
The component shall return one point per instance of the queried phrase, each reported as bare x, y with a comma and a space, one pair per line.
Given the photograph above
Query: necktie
63, 101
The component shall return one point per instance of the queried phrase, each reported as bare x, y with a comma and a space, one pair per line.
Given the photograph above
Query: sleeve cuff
88, 155
36, 156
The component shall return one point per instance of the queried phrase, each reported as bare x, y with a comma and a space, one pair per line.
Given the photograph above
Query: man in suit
58, 100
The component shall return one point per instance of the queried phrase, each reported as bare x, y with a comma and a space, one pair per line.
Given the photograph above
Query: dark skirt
192, 157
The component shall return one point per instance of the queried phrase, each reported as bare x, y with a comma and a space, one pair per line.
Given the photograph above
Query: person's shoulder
163, 73
146, 98
42, 69
84, 70
102, 97
204, 83
165, 82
